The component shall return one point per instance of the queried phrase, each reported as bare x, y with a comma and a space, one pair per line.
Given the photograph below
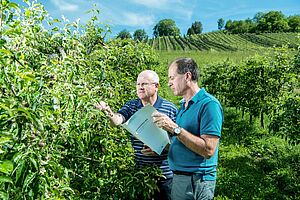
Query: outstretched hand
105, 108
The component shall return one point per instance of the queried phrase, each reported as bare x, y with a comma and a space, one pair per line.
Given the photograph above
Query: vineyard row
220, 41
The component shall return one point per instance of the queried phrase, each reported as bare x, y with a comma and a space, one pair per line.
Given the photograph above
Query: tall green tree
240, 26
286, 123
140, 35
166, 27
221, 23
294, 23
273, 21
196, 28
190, 31
124, 34
258, 16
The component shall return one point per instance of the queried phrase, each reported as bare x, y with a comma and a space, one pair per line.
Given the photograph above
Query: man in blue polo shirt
193, 154
147, 87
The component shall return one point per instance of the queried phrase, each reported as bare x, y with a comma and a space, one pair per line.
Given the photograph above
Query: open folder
142, 127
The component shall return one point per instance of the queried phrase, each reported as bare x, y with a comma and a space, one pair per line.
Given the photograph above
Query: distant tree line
139, 35
269, 22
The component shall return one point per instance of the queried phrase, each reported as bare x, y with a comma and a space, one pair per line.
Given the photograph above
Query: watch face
177, 130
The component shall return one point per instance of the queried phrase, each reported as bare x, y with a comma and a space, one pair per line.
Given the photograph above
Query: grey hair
153, 75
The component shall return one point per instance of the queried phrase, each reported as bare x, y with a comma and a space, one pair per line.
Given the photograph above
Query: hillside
219, 41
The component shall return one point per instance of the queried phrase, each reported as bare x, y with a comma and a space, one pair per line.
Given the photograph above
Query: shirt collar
157, 103
195, 98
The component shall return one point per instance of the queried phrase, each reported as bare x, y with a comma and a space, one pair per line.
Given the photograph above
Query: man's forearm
115, 119
204, 145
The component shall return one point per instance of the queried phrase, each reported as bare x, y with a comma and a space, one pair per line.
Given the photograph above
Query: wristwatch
177, 130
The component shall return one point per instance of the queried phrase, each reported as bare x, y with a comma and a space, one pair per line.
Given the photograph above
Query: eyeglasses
144, 84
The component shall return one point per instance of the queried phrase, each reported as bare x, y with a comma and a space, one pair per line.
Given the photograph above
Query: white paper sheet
142, 127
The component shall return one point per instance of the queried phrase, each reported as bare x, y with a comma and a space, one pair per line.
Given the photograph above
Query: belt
183, 173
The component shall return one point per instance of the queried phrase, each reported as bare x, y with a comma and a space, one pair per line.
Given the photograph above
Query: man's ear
157, 85
188, 76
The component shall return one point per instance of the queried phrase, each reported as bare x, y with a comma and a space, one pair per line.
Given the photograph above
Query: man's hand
147, 151
163, 121
105, 108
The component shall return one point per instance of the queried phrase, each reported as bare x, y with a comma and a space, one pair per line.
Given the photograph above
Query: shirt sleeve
173, 112
127, 110
211, 119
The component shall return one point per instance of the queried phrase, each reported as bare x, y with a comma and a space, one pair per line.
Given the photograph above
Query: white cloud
182, 9
133, 19
65, 6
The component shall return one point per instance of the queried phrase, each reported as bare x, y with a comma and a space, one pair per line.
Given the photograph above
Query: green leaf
2, 42
20, 170
33, 161
17, 157
5, 139
39, 125
28, 180
6, 166
27, 13
56, 169
4, 51
5, 179
56, 20
3, 195
55, 29
27, 76
13, 5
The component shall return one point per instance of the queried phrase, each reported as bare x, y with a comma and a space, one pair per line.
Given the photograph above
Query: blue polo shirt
203, 115
161, 161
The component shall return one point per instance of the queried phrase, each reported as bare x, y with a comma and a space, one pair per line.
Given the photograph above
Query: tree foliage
124, 34
54, 143
196, 28
190, 31
294, 23
166, 27
285, 123
240, 26
257, 85
221, 23
140, 35
273, 21
270, 22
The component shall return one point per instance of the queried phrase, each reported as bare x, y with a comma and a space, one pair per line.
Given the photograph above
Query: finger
156, 114
103, 104
154, 119
145, 151
98, 106
159, 125
148, 152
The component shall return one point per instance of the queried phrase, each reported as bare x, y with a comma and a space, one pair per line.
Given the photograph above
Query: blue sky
145, 14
